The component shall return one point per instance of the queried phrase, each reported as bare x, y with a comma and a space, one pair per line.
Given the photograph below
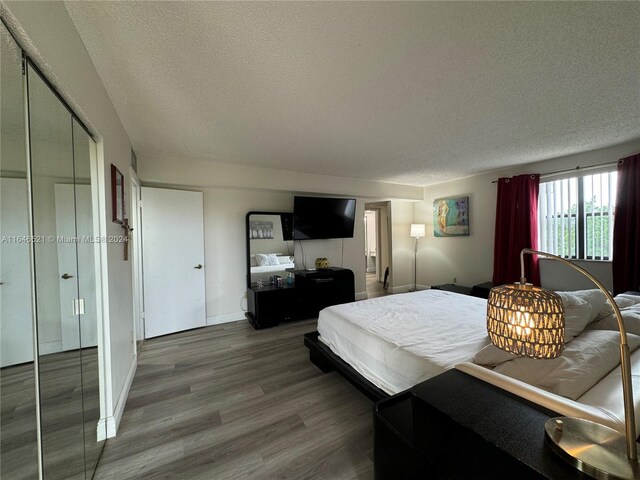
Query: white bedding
272, 268
400, 340
264, 272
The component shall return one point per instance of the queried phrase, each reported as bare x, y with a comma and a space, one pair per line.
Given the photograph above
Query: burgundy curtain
516, 228
626, 228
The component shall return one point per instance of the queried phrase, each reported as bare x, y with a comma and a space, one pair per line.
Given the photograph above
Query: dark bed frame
327, 361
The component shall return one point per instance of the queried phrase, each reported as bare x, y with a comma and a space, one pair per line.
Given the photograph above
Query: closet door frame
106, 423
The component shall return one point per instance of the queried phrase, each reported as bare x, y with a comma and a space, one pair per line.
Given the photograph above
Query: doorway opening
377, 254
136, 259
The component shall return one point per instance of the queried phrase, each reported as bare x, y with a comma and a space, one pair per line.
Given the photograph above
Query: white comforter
400, 340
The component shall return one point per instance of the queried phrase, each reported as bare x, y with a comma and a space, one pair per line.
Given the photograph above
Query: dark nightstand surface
450, 287
458, 427
486, 432
482, 290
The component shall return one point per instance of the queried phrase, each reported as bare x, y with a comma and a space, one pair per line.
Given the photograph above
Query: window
576, 216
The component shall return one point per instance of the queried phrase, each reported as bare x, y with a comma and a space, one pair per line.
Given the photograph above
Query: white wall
277, 244
347, 253
470, 259
402, 246
206, 174
270, 184
47, 33
225, 246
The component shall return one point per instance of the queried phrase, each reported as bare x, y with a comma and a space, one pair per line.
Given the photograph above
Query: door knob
66, 276
198, 266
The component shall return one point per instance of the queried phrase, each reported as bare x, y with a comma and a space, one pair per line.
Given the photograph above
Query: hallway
375, 288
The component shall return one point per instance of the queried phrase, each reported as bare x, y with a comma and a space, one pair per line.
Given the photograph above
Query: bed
388, 341
263, 271
386, 345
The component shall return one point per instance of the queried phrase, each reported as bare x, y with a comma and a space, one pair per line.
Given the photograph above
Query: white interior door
16, 316
68, 218
173, 260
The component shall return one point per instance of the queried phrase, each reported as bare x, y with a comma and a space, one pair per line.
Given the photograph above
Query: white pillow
266, 259
491, 356
577, 315
284, 259
584, 362
623, 300
630, 318
594, 297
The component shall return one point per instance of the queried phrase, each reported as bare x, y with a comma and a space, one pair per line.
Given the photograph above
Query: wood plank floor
69, 408
230, 402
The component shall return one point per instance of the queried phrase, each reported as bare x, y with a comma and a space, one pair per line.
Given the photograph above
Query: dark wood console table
318, 289
312, 291
269, 305
455, 426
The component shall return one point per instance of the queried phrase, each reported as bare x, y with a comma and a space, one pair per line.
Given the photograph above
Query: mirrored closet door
18, 424
49, 305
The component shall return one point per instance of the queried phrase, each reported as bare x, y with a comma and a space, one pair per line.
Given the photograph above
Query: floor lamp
417, 231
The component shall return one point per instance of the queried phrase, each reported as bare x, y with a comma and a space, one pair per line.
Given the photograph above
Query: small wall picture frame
261, 230
117, 196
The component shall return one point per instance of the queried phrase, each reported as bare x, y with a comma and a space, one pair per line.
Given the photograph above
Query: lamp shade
417, 230
526, 320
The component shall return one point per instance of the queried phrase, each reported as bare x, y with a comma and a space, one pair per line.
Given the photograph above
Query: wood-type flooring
231, 402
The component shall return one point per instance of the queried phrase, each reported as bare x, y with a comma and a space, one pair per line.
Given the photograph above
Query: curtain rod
577, 168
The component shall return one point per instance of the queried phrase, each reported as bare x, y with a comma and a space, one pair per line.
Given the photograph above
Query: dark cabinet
269, 305
458, 427
318, 289
313, 290
450, 287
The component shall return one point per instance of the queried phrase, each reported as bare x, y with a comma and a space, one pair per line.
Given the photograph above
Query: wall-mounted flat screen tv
317, 218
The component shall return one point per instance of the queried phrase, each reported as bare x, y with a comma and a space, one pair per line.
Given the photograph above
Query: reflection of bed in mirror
264, 271
270, 246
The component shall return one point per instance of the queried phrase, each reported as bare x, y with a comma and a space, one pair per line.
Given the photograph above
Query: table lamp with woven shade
526, 320
529, 321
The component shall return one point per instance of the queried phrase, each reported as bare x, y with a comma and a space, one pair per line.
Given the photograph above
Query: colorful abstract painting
451, 216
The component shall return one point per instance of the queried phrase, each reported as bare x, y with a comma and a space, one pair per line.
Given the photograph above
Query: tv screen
317, 218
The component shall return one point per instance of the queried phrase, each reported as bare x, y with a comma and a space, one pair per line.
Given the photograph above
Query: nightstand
456, 426
450, 287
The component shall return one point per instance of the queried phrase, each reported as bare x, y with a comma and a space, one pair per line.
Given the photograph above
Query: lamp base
594, 449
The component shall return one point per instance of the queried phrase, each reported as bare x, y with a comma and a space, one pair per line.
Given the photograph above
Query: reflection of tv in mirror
323, 217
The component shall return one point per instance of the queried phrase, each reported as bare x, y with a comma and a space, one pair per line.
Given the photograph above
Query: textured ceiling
412, 93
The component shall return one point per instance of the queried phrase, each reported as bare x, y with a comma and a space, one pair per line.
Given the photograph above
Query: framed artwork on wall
451, 216
117, 196
260, 230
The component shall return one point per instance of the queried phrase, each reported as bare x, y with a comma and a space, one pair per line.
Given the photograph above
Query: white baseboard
409, 288
225, 318
361, 296
113, 422
402, 289
103, 426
